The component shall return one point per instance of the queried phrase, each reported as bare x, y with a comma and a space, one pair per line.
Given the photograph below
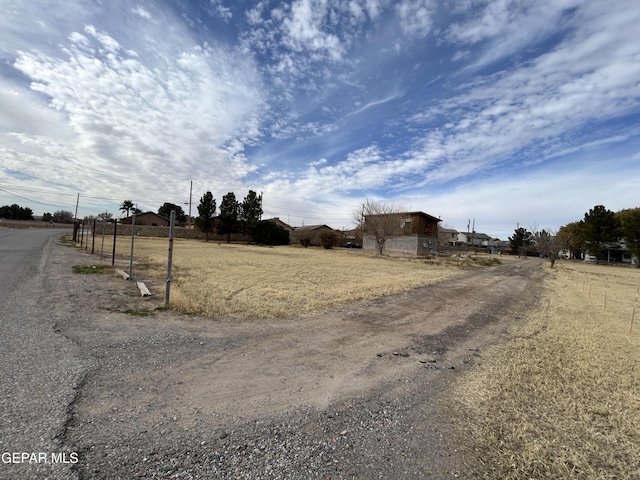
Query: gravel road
353, 393
39, 369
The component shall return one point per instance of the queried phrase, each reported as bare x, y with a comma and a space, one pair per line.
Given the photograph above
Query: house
613, 252
281, 224
415, 235
476, 239
311, 233
447, 237
148, 218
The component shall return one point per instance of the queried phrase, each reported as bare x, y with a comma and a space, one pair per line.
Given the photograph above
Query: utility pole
190, 194
473, 233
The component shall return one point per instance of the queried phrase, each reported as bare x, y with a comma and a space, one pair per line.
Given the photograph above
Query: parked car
352, 245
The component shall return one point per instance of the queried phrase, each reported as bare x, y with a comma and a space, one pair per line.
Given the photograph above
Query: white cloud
415, 16
134, 122
143, 12
219, 10
304, 29
507, 26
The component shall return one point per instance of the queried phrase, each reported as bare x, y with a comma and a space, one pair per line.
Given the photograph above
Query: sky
501, 113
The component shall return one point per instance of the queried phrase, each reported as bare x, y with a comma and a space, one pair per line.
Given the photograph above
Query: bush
328, 239
305, 241
268, 233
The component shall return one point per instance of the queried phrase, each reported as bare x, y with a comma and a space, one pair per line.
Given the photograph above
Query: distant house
415, 236
281, 224
148, 218
613, 252
447, 237
311, 232
476, 239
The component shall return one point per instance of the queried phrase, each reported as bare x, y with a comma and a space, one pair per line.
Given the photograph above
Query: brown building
413, 234
148, 218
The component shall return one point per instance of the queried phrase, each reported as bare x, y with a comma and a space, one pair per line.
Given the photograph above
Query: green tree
630, 221
251, 211
127, 206
16, 212
570, 238
165, 211
47, 217
229, 215
521, 241
599, 227
206, 214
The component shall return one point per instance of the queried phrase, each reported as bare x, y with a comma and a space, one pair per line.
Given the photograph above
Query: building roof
426, 215
311, 228
279, 222
145, 214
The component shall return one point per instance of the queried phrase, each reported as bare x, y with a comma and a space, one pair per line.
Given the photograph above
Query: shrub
305, 241
328, 239
268, 233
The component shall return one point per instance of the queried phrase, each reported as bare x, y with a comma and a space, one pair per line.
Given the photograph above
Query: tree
380, 220
599, 227
267, 232
229, 213
16, 212
206, 214
630, 221
105, 216
570, 238
127, 206
548, 244
63, 216
165, 211
47, 217
328, 240
251, 212
521, 241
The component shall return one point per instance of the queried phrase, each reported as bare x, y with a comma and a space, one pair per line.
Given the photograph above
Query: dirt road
350, 393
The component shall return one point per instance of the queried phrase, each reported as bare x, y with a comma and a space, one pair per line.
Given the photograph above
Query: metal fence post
133, 224
115, 232
93, 237
167, 289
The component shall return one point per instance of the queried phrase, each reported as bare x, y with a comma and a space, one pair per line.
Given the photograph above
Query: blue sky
504, 112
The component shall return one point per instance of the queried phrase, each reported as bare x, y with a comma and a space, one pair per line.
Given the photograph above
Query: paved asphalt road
39, 368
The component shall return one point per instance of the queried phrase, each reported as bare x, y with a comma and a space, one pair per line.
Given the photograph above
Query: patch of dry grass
562, 400
246, 281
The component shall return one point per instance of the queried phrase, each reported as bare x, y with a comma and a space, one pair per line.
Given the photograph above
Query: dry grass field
563, 399
236, 281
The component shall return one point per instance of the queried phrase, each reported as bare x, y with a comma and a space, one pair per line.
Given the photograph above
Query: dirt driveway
354, 392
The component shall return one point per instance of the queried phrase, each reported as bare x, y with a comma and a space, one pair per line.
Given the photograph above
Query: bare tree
548, 244
381, 220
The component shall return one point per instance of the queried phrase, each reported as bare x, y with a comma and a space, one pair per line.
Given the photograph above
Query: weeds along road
39, 369
352, 392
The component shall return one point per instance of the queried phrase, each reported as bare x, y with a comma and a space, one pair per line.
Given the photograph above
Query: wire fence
612, 289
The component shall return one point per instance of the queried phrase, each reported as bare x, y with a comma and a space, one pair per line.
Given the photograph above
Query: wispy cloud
318, 103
